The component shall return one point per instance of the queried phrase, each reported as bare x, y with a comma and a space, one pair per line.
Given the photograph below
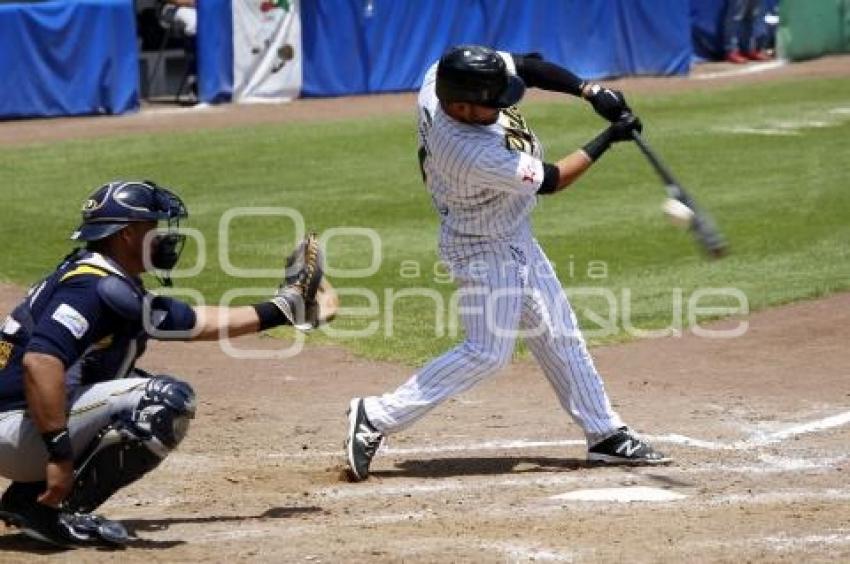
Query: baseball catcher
78, 420
485, 169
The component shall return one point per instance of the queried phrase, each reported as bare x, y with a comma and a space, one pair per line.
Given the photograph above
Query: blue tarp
68, 57
707, 28
65, 57
366, 46
215, 50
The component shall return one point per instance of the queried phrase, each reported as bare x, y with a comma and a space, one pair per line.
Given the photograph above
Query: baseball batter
485, 169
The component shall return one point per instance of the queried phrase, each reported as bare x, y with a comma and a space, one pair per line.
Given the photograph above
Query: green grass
782, 201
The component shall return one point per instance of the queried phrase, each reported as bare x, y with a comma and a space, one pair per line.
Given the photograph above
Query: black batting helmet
477, 75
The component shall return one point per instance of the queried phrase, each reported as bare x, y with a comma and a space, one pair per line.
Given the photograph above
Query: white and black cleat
59, 528
361, 443
96, 528
625, 448
68, 530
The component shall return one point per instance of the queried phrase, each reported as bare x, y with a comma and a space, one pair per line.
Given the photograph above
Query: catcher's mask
477, 75
113, 206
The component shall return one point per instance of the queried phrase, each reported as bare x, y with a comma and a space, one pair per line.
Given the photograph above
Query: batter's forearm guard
537, 73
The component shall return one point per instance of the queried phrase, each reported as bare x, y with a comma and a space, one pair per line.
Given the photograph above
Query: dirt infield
758, 426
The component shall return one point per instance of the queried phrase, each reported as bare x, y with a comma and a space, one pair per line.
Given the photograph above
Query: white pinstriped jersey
483, 179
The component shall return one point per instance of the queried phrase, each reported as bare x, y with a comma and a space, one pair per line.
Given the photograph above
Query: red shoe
735, 57
758, 56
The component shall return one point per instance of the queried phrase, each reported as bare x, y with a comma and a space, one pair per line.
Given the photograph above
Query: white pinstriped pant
510, 293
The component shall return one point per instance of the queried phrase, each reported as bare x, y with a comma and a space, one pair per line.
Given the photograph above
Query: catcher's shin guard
129, 448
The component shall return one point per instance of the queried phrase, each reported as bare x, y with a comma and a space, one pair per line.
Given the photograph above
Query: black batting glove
608, 103
621, 130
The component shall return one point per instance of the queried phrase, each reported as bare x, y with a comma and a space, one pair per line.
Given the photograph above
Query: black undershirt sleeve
551, 175
537, 73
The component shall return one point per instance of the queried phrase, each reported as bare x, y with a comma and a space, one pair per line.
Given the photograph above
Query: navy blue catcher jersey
90, 315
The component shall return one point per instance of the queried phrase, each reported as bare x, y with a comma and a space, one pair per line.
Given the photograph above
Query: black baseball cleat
626, 448
19, 508
362, 442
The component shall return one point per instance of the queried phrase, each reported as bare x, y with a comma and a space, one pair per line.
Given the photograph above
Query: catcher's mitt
323, 309
304, 297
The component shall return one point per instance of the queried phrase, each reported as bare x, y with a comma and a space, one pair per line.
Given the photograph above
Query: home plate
636, 493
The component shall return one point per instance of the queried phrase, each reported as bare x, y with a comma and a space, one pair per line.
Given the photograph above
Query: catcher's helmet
477, 75
113, 206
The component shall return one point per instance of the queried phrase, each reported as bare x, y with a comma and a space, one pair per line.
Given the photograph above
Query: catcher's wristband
597, 146
271, 314
58, 445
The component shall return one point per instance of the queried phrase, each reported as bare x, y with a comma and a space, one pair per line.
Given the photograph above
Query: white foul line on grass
790, 127
769, 131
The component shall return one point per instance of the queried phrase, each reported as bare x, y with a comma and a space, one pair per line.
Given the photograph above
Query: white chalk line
787, 542
473, 484
548, 507
459, 447
776, 543
752, 68
770, 464
517, 552
787, 496
627, 494
767, 131
480, 483
476, 485
543, 508
755, 441
831, 422
279, 528
234, 534
834, 117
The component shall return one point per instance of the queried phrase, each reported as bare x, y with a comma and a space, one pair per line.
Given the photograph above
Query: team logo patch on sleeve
529, 171
71, 319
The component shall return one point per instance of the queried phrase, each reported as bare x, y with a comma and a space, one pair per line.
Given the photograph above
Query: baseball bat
702, 226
